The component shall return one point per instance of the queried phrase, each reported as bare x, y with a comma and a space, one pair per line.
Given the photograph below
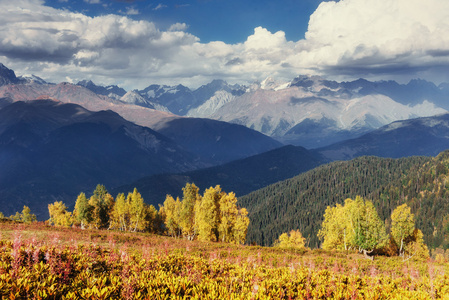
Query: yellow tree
152, 220
120, 213
228, 216
27, 216
136, 211
355, 225
187, 214
415, 247
207, 215
333, 230
241, 226
170, 212
291, 240
59, 215
82, 211
402, 225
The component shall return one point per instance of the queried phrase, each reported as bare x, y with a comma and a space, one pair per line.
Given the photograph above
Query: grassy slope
122, 264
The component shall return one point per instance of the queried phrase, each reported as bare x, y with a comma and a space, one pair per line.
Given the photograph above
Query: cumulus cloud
377, 36
350, 37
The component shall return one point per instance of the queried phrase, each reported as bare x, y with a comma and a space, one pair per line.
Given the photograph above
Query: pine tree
102, 203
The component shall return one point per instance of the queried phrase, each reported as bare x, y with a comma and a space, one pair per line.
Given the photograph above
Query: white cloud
160, 6
351, 37
132, 11
377, 36
178, 27
93, 1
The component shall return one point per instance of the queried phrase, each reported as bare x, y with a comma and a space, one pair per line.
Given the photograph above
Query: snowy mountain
309, 111
314, 112
32, 79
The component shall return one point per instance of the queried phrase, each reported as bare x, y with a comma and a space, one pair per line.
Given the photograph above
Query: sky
136, 43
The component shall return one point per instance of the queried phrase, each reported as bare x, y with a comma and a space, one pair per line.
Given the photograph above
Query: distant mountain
423, 136
112, 91
53, 151
302, 115
240, 176
7, 76
218, 142
32, 79
180, 100
215, 141
309, 111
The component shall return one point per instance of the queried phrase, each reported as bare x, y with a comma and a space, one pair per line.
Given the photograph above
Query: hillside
241, 176
216, 141
63, 263
300, 202
51, 151
420, 136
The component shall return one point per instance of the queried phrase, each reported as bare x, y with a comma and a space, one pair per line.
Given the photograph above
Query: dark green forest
300, 202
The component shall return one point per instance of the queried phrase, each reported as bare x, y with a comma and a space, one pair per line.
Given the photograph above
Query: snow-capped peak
270, 83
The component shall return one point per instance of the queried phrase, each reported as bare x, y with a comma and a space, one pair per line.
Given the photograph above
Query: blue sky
231, 21
135, 43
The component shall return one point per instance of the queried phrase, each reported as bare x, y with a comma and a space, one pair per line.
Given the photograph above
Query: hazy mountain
70, 93
240, 176
180, 100
215, 140
218, 141
53, 151
298, 115
422, 136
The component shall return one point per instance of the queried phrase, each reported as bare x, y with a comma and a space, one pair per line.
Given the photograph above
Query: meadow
38, 261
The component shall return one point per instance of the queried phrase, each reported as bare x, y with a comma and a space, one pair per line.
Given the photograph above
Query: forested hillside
300, 202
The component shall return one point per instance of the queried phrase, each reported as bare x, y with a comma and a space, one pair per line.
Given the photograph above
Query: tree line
213, 216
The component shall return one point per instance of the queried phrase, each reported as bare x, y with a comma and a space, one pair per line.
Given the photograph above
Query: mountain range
309, 111
57, 140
